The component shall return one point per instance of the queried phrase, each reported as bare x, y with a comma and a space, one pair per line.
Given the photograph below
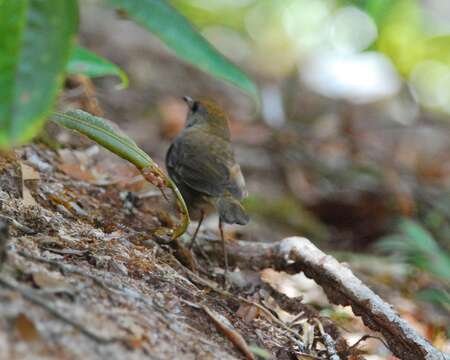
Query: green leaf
377, 9
422, 239
437, 296
87, 63
227, 15
36, 39
394, 243
107, 134
260, 352
178, 34
415, 244
438, 49
401, 34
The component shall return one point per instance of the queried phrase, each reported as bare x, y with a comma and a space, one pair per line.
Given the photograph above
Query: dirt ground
87, 280
88, 276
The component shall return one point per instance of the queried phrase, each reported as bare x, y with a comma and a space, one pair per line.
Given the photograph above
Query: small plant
37, 48
104, 133
416, 246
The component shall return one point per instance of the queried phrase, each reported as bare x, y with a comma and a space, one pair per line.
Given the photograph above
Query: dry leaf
28, 173
28, 199
135, 342
308, 335
47, 280
76, 171
295, 286
25, 328
247, 312
283, 315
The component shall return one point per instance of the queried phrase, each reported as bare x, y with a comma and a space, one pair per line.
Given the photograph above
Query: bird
201, 162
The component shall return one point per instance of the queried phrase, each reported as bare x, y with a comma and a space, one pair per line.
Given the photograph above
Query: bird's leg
225, 254
202, 215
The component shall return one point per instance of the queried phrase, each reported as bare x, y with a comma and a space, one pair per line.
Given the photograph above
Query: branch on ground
342, 287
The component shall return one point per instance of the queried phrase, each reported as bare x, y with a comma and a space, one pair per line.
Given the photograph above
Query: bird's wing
202, 162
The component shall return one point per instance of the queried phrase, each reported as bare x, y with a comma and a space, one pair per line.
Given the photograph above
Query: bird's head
208, 115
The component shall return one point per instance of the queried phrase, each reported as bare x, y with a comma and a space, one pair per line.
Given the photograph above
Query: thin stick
224, 248
295, 254
364, 338
200, 281
202, 215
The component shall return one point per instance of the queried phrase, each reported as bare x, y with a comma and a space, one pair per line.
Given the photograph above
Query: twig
223, 325
328, 341
296, 318
330, 344
25, 229
228, 330
30, 296
342, 287
209, 284
364, 338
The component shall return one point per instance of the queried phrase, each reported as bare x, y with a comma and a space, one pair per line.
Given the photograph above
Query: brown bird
201, 163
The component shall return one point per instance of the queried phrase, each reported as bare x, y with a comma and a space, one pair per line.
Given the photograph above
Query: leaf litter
91, 281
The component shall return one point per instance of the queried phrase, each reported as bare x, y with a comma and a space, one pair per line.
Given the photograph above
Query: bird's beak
189, 101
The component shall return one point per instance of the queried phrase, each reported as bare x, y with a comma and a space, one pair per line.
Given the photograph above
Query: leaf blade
104, 134
178, 33
107, 134
39, 35
90, 64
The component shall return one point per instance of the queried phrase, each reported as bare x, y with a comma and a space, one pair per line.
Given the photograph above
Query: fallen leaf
135, 342
295, 286
28, 173
283, 315
28, 199
25, 328
76, 171
47, 280
247, 312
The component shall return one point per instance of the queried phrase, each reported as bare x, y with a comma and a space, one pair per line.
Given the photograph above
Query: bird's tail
231, 211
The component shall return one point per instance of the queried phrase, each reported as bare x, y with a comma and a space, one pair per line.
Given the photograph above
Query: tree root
342, 287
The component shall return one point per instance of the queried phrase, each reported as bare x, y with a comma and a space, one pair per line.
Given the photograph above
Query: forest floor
87, 275
84, 277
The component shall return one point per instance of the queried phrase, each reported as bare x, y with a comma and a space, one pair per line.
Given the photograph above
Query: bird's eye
195, 106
